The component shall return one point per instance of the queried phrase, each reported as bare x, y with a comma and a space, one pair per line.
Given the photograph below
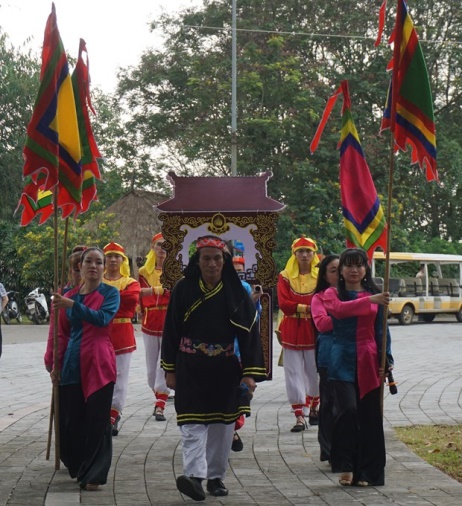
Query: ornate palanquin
234, 208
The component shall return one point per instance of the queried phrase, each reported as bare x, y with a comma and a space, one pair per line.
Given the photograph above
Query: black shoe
237, 445
324, 457
115, 427
313, 417
300, 425
159, 414
216, 487
192, 487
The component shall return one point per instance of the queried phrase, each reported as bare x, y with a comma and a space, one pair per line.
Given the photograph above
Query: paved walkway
276, 466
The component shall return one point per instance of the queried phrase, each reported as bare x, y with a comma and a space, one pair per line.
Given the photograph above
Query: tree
19, 75
26, 253
22, 261
181, 97
128, 164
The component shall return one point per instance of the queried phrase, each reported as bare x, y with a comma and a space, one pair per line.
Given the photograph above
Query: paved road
276, 466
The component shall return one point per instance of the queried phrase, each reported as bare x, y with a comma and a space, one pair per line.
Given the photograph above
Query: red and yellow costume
154, 308
122, 331
296, 328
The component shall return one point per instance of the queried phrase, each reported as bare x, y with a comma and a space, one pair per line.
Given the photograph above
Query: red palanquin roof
224, 194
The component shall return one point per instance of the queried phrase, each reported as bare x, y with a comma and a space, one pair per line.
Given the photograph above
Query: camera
245, 392
392, 384
257, 288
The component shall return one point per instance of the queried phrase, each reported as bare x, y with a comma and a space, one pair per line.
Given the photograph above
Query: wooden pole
394, 96
386, 277
55, 328
55, 394
50, 424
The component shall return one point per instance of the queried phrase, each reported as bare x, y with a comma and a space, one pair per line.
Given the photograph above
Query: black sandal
300, 425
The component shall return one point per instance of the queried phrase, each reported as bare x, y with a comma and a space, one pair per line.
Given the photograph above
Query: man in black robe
207, 310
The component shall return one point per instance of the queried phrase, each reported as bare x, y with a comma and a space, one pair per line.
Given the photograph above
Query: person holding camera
209, 308
358, 443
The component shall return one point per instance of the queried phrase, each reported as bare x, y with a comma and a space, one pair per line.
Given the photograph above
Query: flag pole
55, 393
63, 275
386, 277
394, 92
50, 424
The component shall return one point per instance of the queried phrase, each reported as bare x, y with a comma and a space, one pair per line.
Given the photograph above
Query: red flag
90, 151
409, 108
68, 194
363, 215
42, 207
53, 144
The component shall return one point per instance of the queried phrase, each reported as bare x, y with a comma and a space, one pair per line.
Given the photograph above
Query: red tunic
122, 331
294, 298
154, 306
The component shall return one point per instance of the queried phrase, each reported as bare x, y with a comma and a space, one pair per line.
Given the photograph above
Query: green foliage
283, 82
27, 254
10, 264
172, 111
18, 85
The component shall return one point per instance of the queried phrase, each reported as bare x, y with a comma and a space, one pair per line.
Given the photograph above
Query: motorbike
37, 306
11, 311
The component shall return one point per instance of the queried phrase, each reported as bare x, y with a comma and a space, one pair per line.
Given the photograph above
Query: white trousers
156, 375
206, 449
121, 387
301, 375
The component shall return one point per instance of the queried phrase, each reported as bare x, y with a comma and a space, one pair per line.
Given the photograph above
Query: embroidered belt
122, 320
155, 307
211, 350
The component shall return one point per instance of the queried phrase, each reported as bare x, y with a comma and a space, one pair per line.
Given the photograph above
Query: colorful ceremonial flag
409, 112
363, 215
90, 151
74, 193
42, 207
53, 143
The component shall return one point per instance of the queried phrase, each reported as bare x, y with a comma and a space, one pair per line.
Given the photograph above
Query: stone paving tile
276, 466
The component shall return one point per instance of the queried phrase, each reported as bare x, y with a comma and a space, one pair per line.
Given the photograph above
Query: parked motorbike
11, 311
37, 306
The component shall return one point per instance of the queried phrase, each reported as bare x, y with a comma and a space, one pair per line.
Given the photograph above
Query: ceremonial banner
409, 111
53, 143
90, 151
362, 212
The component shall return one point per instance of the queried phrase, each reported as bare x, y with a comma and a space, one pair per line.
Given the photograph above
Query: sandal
300, 425
313, 416
90, 487
159, 414
346, 479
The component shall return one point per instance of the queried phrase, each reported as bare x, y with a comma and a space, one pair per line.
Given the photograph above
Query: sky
116, 31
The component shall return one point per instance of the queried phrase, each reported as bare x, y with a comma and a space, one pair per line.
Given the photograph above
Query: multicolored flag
409, 111
70, 198
90, 151
43, 207
363, 215
53, 142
